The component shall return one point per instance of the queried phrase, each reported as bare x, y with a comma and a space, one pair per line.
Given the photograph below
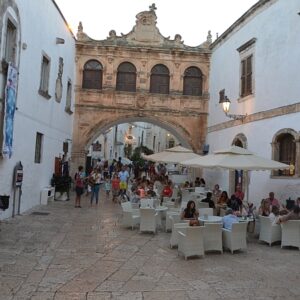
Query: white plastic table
210, 219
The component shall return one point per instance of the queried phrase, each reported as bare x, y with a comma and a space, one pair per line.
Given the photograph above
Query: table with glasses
210, 219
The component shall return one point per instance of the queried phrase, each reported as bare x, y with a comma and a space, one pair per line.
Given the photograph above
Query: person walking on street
94, 181
79, 185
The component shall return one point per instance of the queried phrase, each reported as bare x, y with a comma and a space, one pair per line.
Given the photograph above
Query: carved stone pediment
145, 33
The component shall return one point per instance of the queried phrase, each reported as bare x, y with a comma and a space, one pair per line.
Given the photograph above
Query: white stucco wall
276, 62
276, 80
40, 25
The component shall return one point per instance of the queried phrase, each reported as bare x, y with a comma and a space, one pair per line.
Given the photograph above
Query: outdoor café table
210, 219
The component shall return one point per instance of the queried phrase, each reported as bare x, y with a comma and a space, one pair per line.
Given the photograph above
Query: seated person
136, 197
167, 190
229, 219
235, 203
197, 182
190, 212
274, 215
141, 190
223, 199
209, 200
186, 185
264, 209
293, 215
202, 182
150, 192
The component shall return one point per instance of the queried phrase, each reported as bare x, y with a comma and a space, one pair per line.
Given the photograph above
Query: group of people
278, 213
101, 175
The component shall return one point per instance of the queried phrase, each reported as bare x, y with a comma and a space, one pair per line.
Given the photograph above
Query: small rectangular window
246, 76
45, 71
10, 42
154, 142
69, 97
38, 148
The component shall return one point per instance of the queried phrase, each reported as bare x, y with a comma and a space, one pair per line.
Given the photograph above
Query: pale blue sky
190, 18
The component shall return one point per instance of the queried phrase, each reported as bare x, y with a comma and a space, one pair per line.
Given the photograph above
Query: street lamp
226, 105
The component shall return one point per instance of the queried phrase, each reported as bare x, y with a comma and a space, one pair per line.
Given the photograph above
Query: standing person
239, 193
79, 185
94, 180
124, 177
273, 201
107, 187
115, 184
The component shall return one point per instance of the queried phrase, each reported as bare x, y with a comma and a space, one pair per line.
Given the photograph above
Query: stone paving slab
86, 254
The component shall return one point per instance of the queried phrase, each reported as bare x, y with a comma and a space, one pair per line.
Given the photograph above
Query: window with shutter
126, 77
160, 80
92, 75
246, 76
192, 82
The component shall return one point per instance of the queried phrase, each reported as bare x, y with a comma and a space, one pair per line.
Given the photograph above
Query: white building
111, 144
257, 62
35, 38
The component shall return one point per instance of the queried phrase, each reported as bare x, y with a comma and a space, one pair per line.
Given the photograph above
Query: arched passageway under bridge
190, 130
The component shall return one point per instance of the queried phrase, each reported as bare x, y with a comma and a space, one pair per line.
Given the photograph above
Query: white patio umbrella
234, 158
172, 155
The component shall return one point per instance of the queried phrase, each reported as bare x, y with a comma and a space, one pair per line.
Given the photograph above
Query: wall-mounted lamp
226, 105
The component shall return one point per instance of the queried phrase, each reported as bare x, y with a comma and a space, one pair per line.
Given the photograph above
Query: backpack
78, 180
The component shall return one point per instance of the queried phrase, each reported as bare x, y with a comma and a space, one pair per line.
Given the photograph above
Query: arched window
92, 75
284, 150
287, 149
192, 82
126, 77
160, 80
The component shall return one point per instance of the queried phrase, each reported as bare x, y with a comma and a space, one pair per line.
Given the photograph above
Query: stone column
77, 159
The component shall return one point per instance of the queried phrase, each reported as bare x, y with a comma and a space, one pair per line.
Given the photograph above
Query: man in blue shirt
229, 219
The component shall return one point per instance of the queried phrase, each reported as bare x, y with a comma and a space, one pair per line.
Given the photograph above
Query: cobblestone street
73, 253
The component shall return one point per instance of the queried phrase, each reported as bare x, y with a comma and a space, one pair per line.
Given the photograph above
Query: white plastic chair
235, 238
213, 237
190, 242
290, 233
206, 211
148, 219
129, 219
169, 213
146, 203
177, 224
268, 232
126, 206
202, 204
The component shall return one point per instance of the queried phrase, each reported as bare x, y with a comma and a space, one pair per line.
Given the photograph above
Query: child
107, 187
115, 184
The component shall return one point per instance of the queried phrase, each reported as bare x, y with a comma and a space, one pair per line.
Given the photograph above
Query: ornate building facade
140, 76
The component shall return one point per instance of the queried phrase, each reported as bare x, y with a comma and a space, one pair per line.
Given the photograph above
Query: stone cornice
94, 46
259, 116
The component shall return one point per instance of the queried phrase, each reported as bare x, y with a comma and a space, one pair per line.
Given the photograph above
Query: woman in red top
167, 191
115, 185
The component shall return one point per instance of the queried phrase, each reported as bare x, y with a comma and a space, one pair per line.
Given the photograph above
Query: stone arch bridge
180, 104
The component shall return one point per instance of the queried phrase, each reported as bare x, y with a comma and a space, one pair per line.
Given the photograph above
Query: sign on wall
9, 112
